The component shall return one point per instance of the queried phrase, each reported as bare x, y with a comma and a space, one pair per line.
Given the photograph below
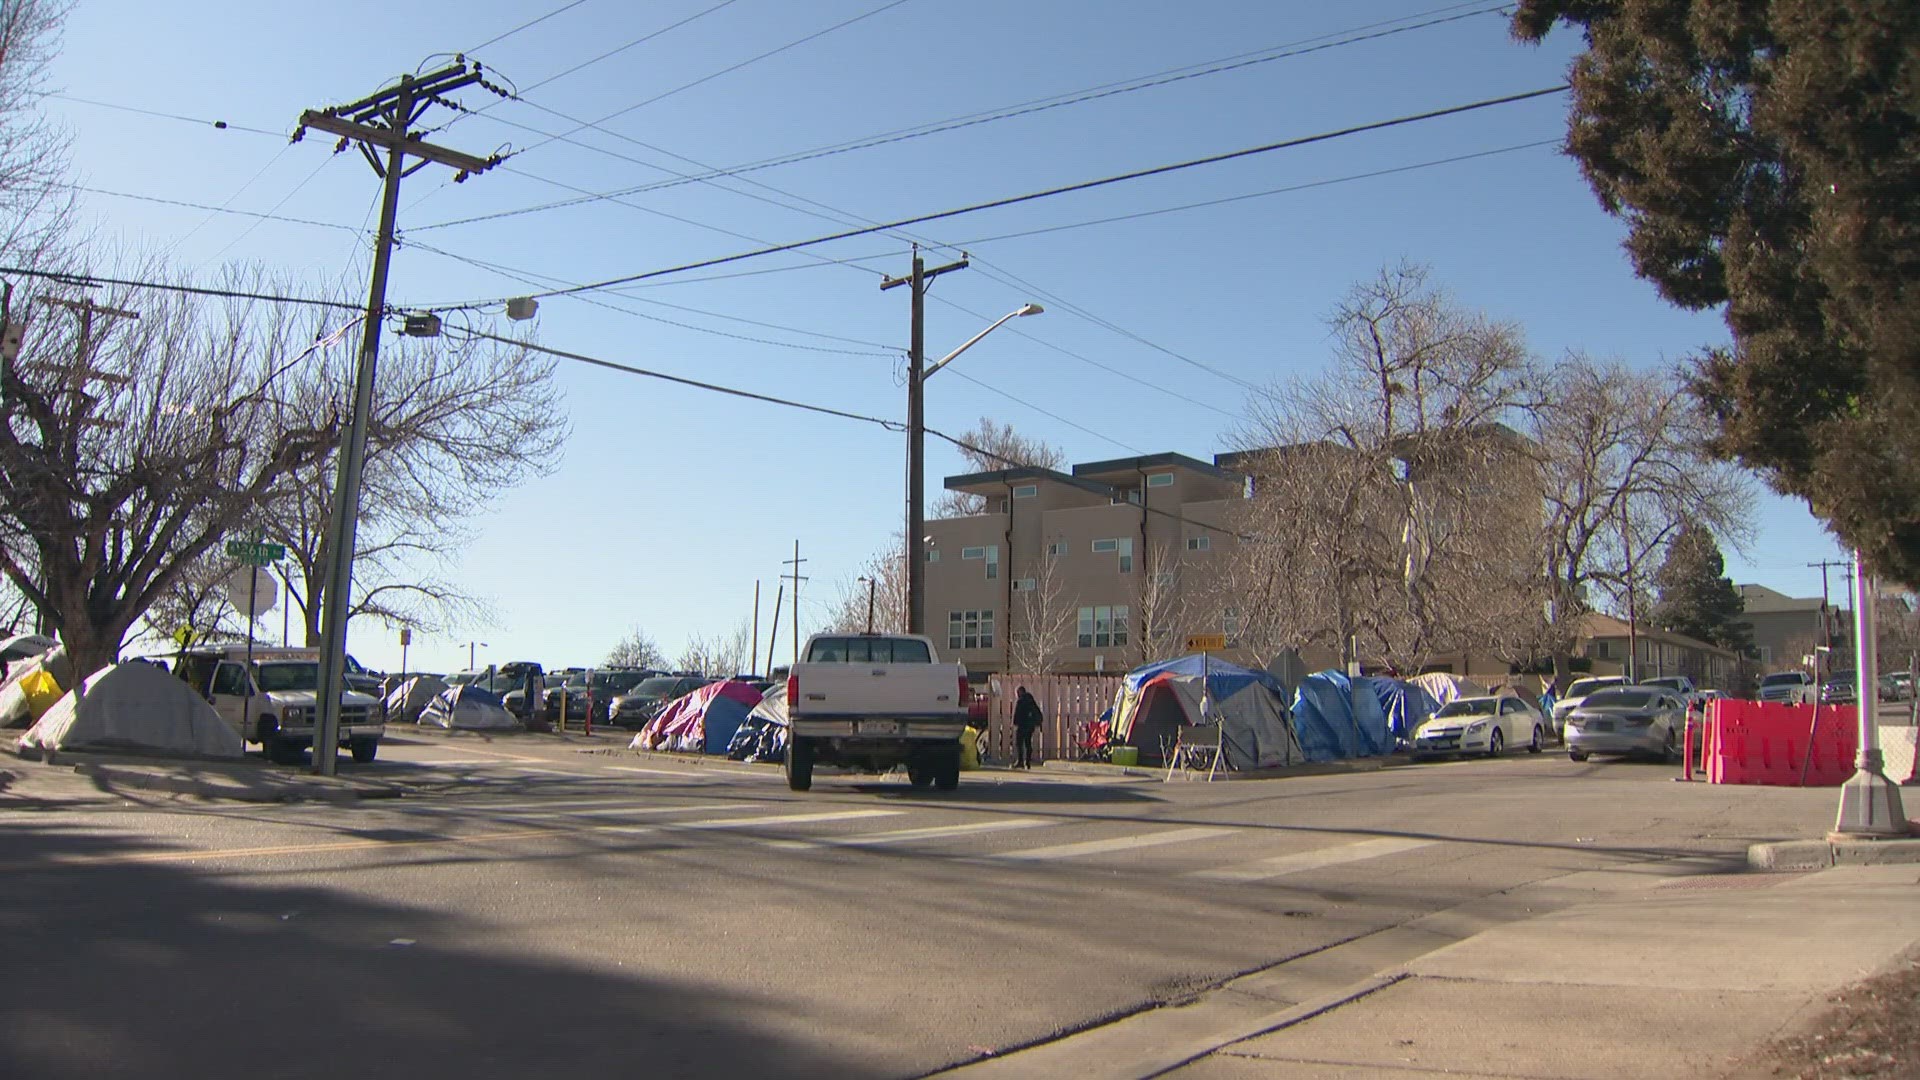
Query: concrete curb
1820, 854
235, 789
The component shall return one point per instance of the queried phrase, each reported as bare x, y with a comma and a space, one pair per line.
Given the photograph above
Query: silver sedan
1627, 720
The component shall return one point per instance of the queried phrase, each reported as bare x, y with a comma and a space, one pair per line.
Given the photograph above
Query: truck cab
275, 702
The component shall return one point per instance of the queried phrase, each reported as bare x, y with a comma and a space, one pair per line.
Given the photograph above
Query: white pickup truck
274, 703
873, 701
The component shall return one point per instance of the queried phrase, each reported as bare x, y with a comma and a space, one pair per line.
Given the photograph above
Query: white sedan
1481, 725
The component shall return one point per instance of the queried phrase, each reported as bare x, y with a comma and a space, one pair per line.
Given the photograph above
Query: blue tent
1334, 723
1407, 704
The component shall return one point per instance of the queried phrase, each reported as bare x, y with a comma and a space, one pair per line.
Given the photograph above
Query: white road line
783, 819
901, 836
514, 808
635, 812
682, 774
1102, 847
1299, 862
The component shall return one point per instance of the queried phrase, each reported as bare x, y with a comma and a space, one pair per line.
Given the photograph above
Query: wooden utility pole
753, 665
773, 636
382, 122
794, 577
919, 279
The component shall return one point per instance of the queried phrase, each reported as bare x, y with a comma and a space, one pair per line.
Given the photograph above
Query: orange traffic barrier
1753, 742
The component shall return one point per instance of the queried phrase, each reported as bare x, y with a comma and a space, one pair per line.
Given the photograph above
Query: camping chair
1197, 747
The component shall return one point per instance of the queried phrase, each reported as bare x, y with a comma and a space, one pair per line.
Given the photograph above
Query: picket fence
1067, 702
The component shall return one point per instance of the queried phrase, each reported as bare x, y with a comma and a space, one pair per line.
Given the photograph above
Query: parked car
1785, 687
1627, 720
1841, 688
634, 708
1577, 693
1679, 684
603, 687
1481, 725
1901, 684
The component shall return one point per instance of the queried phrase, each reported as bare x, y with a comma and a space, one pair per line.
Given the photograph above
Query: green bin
1124, 755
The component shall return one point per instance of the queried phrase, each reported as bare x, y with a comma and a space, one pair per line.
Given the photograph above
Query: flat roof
967, 481
1153, 461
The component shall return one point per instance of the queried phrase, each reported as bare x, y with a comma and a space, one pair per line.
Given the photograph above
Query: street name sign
257, 552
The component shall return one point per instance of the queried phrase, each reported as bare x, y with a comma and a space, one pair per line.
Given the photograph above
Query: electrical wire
1064, 189
92, 280
530, 23
844, 23
220, 124
288, 197
213, 210
1164, 78
641, 40
990, 388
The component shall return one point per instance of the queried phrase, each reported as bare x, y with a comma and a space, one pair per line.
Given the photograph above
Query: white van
275, 704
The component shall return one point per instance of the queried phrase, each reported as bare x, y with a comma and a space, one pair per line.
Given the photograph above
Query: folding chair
1197, 747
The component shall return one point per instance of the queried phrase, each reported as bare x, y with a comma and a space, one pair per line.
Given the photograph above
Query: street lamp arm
1029, 309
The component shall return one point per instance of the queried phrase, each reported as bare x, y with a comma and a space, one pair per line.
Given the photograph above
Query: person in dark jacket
1026, 721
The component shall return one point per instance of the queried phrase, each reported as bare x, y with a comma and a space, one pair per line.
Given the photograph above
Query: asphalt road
534, 910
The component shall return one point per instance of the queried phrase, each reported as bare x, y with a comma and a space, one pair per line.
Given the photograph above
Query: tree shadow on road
122, 962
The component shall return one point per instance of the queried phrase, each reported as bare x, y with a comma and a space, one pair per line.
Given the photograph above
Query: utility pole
796, 579
1823, 638
753, 665
1870, 803
383, 121
773, 636
919, 279
1633, 603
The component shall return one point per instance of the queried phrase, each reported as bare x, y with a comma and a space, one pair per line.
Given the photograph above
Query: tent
137, 706
1336, 719
1406, 703
468, 708
17, 708
1443, 687
762, 736
1155, 701
22, 646
411, 698
703, 721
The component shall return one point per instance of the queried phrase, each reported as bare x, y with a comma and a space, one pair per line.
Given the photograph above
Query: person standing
1026, 720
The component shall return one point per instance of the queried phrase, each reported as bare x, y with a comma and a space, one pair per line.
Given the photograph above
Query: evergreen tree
1695, 599
1765, 155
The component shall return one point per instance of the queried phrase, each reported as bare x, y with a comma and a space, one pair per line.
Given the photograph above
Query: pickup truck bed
874, 701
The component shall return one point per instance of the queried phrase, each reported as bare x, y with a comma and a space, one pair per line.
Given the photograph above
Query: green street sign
257, 552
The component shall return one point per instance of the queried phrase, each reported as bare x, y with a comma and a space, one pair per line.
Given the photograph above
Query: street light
869, 582
916, 453
1870, 804
470, 648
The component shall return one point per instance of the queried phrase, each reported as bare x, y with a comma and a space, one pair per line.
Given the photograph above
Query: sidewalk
1656, 971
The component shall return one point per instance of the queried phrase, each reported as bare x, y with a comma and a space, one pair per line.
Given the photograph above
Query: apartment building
1786, 628
1092, 570
1605, 640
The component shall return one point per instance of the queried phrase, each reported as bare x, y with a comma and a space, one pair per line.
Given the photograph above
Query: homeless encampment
1443, 687
763, 734
1406, 703
701, 722
1155, 701
1336, 719
411, 698
467, 708
134, 706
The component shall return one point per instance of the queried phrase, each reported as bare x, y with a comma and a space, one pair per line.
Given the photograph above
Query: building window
933, 554
1057, 549
1230, 626
1199, 543
973, 553
993, 562
1103, 626
1023, 584
1163, 579
969, 629
1126, 556
1103, 546
1602, 651
1025, 491
1160, 479
1126, 495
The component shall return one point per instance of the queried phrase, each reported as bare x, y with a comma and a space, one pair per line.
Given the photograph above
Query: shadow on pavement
118, 967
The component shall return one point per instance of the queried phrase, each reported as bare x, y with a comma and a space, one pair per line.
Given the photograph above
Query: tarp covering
1442, 687
1407, 704
762, 736
701, 722
136, 706
468, 708
412, 697
16, 708
1156, 700
1334, 722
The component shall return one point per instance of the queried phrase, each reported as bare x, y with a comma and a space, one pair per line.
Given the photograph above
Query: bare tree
636, 650
999, 447
1381, 487
453, 427
717, 657
1622, 467
197, 600
887, 571
130, 447
1163, 609
1047, 615
35, 200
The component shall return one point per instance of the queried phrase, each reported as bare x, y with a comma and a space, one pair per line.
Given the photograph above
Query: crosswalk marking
507, 808
783, 819
1102, 847
637, 811
1281, 865
901, 836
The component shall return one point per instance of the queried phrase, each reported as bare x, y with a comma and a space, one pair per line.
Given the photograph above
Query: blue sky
670, 502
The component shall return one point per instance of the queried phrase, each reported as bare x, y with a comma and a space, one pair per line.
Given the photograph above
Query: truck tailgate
877, 690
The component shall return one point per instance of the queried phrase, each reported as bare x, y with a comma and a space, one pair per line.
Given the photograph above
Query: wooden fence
1066, 702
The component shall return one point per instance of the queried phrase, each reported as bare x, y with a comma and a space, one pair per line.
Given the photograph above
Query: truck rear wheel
799, 764
946, 770
920, 776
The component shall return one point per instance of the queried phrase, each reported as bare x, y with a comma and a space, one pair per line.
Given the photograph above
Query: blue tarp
1407, 704
1333, 723
1223, 679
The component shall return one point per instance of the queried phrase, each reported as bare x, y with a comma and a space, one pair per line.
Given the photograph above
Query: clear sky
670, 503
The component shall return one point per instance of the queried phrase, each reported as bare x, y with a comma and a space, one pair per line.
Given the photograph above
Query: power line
288, 197
642, 40
66, 277
1085, 185
990, 388
219, 124
498, 38
1105, 90
284, 219
889, 5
